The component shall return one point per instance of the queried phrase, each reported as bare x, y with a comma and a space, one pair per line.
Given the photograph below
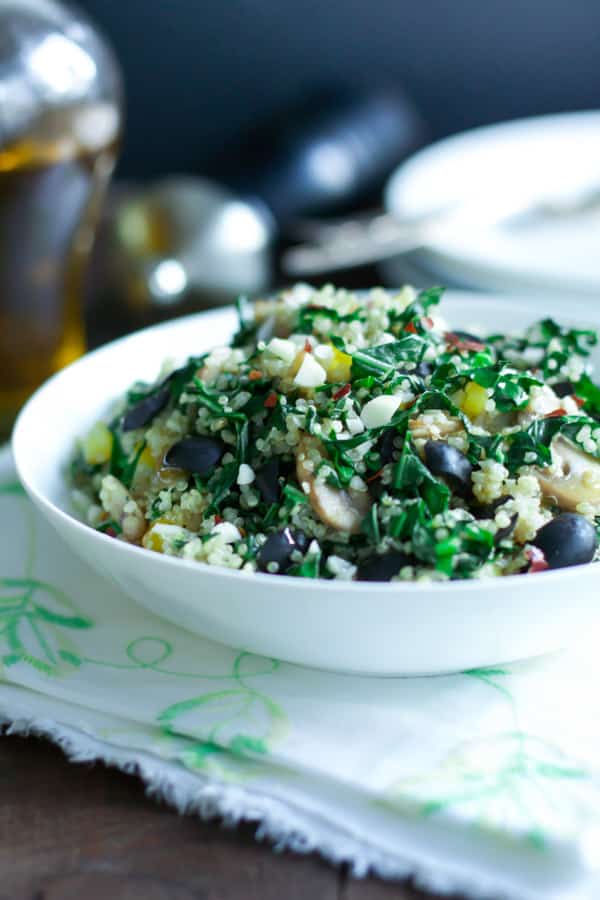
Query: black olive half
567, 540
385, 445
278, 548
267, 481
383, 568
198, 455
377, 489
563, 388
143, 412
450, 464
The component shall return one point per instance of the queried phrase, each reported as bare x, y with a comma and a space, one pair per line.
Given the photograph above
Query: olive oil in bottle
57, 150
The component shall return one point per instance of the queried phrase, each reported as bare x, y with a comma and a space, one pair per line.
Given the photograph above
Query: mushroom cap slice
342, 510
573, 477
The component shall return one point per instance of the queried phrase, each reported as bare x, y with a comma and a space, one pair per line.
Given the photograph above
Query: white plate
538, 158
354, 627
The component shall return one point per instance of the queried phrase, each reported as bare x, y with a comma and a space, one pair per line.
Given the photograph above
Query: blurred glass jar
60, 122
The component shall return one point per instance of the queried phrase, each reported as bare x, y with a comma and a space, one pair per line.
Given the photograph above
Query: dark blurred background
276, 124
200, 72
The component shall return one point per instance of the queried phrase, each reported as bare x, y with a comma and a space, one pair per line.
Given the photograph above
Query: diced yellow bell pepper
339, 366
97, 446
474, 400
153, 541
147, 458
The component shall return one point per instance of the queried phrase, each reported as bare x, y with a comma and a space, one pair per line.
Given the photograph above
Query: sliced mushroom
343, 510
573, 478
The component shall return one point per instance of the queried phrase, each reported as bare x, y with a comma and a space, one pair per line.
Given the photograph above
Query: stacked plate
548, 160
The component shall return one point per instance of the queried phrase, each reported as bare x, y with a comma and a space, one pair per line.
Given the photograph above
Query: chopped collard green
358, 437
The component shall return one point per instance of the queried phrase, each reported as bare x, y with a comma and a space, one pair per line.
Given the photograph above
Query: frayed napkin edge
284, 826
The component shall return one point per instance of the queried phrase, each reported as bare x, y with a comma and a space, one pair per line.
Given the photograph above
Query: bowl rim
399, 588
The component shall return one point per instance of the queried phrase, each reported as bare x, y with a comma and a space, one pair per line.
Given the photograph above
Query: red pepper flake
374, 476
307, 346
218, 519
341, 392
271, 400
111, 532
536, 559
424, 322
255, 374
458, 343
555, 413
579, 401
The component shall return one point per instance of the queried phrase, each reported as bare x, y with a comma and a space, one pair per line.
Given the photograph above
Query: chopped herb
294, 495
384, 360
109, 525
590, 393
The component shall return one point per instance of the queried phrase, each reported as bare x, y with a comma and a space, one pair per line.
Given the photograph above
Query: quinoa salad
357, 437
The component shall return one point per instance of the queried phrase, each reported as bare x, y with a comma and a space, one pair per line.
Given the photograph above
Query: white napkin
486, 782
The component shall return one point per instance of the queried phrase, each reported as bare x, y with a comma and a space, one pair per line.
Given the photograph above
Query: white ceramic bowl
353, 627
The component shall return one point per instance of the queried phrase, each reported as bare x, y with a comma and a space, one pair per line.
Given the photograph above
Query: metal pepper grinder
187, 242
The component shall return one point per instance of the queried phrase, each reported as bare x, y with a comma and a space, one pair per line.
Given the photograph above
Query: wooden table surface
86, 832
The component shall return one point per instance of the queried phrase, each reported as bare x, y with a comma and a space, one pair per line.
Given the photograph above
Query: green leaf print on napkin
505, 776
13, 487
36, 618
239, 719
238, 722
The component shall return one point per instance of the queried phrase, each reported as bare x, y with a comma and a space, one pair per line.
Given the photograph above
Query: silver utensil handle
375, 237
359, 244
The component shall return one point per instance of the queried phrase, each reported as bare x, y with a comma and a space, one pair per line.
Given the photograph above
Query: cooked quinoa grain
355, 437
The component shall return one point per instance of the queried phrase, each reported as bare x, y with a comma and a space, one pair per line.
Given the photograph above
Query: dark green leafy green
384, 360
417, 310
412, 478
554, 343
109, 525
310, 567
590, 392
532, 445
123, 465
370, 525
308, 314
293, 495
219, 485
